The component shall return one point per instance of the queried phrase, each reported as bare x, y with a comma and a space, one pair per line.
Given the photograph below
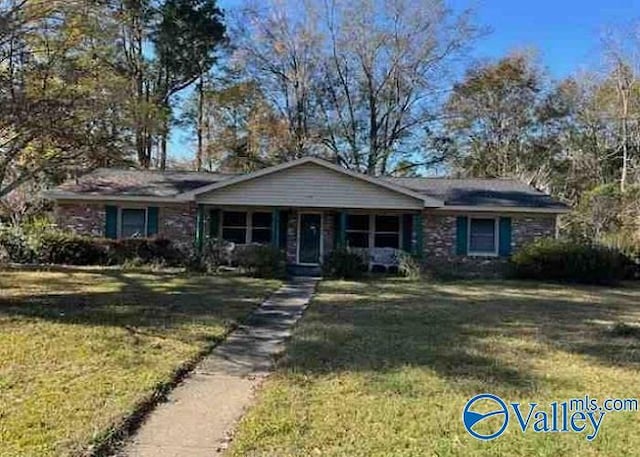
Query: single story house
310, 206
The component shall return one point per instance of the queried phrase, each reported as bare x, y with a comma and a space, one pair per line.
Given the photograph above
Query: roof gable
312, 182
285, 184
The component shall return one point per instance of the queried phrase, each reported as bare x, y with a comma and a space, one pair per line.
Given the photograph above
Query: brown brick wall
178, 223
440, 242
81, 218
175, 222
292, 237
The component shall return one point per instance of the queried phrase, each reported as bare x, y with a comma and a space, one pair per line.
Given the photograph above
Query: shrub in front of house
58, 247
260, 261
143, 251
65, 248
408, 266
564, 260
16, 245
343, 264
629, 245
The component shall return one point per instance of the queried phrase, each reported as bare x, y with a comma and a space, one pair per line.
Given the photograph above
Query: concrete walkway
200, 413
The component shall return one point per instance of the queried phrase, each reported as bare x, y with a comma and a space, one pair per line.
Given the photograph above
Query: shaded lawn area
384, 368
80, 348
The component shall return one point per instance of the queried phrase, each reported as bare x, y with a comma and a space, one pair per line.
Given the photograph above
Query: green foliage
343, 264
261, 261
605, 211
15, 246
65, 248
562, 260
22, 245
213, 254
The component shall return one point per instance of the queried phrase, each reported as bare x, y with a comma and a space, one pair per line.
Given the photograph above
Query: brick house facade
309, 207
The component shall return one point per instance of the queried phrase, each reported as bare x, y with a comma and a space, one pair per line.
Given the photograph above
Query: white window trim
372, 240
247, 224
372, 228
367, 232
120, 220
251, 226
248, 227
496, 231
298, 243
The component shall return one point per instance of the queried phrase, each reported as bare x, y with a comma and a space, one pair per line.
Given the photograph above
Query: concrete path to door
200, 413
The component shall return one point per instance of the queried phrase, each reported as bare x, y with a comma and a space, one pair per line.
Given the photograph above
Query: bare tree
360, 80
280, 47
388, 62
621, 51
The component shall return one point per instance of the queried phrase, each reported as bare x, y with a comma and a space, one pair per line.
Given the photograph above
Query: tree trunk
163, 151
199, 151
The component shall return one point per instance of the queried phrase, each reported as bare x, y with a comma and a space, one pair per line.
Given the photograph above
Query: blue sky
565, 34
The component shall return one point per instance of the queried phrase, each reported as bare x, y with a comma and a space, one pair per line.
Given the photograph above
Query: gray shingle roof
109, 182
106, 182
496, 192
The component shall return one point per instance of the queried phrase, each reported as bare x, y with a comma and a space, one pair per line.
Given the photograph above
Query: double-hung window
483, 236
133, 223
357, 230
234, 226
261, 227
387, 232
367, 230
242, 227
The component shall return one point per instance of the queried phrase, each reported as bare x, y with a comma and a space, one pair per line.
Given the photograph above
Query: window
357, 230
234, 226
134, 222
387, 233
365, 230
241, 227
482, 236
261, 228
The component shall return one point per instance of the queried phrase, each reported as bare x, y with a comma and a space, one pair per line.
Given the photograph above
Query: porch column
418, 235
199, 227
275, 228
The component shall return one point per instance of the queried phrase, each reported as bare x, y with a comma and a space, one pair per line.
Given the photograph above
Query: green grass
81, 349
384, 368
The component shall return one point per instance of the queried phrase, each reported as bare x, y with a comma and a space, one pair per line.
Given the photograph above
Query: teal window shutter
504, 237
407, 232
462, 227
340, 234
275, 228
336, 230
111, 222
214, 224
152, 220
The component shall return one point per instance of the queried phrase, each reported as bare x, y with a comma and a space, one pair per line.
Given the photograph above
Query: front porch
308, 235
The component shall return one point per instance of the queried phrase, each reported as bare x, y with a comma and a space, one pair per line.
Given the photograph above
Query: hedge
56, 247
563, 260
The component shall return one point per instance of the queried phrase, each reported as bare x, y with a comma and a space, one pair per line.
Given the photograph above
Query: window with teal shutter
504, 237
461, 235
152, 221
111, 222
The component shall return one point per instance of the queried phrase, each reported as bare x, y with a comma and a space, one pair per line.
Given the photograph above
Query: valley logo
486, 416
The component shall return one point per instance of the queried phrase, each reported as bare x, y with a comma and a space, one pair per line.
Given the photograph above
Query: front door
309, 246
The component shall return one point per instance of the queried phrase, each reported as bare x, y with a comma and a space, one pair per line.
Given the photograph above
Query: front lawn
384, 368
81, 349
